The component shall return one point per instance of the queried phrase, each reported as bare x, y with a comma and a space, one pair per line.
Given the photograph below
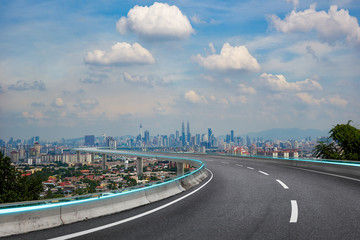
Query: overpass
242, 198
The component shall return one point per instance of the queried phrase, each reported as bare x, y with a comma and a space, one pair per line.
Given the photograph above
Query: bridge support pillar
78, 156
180, 168
103, 166
92, 158
139, 165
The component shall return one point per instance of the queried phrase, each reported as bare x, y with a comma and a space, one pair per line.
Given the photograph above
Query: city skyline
68, 69
144, 135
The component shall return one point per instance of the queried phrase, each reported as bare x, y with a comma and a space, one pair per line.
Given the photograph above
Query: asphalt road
242, 199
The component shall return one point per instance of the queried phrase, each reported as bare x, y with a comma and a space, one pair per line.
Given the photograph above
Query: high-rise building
228, 138
188, 132
209, 136
37, 148
232, 136
177, 135
89, 140
14, 156
198, 139
183, 139
146, 137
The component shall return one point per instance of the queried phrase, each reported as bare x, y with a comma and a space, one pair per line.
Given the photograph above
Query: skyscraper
188, 131
183, 134
209, 136
177, 135
232, 136
147, 137
228, 138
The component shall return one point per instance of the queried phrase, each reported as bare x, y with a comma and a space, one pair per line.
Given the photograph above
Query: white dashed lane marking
282, 184
264, 173
294, 211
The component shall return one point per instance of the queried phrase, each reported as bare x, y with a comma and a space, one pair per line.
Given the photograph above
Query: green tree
16, 188
343, 143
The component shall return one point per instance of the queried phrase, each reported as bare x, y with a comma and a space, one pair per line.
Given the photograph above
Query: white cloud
212, 98
307, 98
238, 99
246, 89
230, 58
331, 26
145, 80
22, 85
193, 97
212, 48
121, 53
37, 115
279, 83
197, 19
157, 21
337, 101
58, 102
334, 100
86, 103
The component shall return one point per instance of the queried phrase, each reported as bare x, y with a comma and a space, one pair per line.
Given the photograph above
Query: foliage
17, 188
92, 185
130, 181
343, 144
326, 150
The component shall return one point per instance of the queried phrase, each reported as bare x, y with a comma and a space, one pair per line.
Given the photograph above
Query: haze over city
68, 69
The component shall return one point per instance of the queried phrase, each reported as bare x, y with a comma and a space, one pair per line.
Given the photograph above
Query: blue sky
71, 68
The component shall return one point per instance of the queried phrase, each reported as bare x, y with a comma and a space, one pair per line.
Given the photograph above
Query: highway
241, 199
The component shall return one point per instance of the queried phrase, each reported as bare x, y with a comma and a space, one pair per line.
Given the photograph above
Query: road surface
241, 199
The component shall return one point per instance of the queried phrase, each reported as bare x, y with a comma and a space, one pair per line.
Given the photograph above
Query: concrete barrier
194, 179
164, 191
35, 218
102, 206
27, 221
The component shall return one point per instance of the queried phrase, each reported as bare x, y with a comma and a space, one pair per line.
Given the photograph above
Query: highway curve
241, 199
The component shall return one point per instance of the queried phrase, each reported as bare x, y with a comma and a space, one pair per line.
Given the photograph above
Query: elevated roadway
241, 199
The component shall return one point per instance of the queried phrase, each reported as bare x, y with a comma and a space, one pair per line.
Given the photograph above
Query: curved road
242, 199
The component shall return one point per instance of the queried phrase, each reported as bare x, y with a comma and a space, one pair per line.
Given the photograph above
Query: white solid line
294, 211
250, 168
239, 165
225, 162
264, 173
73, 235
282, 184
330, 174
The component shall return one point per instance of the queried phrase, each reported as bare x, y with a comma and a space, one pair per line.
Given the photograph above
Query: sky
74, 68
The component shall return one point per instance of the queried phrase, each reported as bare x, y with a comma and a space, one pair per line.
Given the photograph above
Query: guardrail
17, 218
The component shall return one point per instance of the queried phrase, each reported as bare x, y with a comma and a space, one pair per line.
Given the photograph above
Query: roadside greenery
343, 144
17, 188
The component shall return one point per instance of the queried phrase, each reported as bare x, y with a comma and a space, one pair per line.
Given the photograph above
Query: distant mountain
289, 133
